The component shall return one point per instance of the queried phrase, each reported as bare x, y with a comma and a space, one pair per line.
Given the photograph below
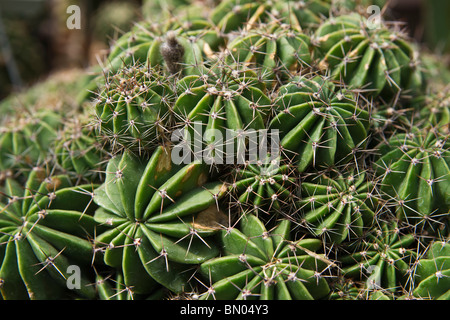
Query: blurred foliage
437, 24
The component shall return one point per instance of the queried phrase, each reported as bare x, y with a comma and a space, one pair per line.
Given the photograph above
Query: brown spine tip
172, 52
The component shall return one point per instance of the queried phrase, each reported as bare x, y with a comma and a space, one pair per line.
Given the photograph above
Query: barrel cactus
25, 139
383, 259
373, 59
275, 51
338, 206
43, 232
78, 151
145, 43
437, 114
265, 187
231, 15
432, 273
159, 217
132, 108
112, 287
233, 150
213, 109
345, 289
266, 265
414, 173
320, 123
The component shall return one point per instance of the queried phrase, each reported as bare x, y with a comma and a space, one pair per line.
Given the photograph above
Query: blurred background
35, 41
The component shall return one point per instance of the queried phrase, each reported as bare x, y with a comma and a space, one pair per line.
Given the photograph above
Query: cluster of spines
360, 160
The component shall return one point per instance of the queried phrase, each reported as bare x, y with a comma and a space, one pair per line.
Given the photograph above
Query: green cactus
231, 15
382, 259
25, 140
112, 287
386, 119
132, 109
78, 152
436, 68
229, 101
339, 206
258, 264
436, 114
375, 60
44, 230
432, 273
159, 217
320, 165
344, 289
320, 124
264, 188
192, 41
414, 175
275, 51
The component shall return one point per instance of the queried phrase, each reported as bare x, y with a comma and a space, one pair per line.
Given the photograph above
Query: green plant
377, 60
275, 51
266, 187
266, 265
78, 151
382, 259
159, 217
112, 287
339, 206
144, 42
132, 108
161, 180
231, 15
25, 139
414, 171
432, 273
224, 100
320, 123
43, 232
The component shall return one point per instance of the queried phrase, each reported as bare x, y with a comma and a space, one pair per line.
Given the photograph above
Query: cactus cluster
164, 182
